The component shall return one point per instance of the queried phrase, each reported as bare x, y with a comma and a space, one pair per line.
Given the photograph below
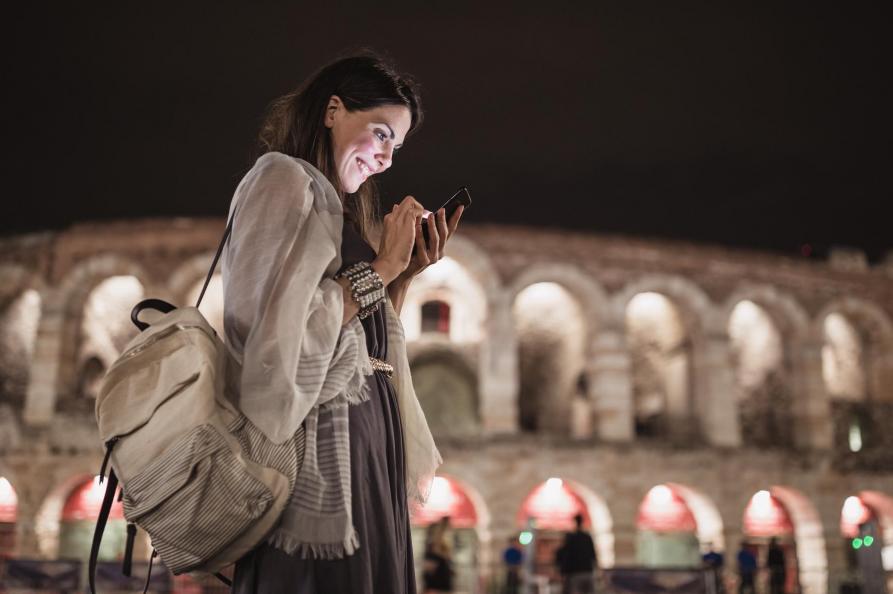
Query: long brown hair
294, 123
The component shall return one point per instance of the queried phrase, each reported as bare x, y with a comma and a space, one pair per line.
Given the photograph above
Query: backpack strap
101, 521
229, 229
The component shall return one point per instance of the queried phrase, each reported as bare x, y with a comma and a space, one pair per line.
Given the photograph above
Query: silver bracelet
366, 287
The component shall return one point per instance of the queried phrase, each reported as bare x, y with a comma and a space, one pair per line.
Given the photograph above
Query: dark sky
763, 127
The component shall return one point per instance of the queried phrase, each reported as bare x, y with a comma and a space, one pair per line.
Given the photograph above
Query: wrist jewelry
366, 287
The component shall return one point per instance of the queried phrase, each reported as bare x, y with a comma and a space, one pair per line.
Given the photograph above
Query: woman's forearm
397, 292
351, 308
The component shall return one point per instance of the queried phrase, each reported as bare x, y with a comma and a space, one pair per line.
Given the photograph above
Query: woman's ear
333, 110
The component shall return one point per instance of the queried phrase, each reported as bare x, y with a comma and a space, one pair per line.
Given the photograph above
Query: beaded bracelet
366, 287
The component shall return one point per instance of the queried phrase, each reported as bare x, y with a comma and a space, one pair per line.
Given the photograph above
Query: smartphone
460, 198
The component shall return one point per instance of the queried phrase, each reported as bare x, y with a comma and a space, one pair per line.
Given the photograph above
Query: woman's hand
398, 236
439, 232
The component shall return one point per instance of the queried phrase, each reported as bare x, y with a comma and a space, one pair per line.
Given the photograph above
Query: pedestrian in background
513, 557
775, 563
437, 568
577, 560
747, 569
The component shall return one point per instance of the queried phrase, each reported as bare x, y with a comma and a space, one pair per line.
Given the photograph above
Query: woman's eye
381, 135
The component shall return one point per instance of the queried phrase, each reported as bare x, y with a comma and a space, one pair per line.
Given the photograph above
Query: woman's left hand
439, 232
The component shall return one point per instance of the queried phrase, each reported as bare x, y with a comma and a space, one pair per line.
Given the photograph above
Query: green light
857, 543
526, 538
868, 541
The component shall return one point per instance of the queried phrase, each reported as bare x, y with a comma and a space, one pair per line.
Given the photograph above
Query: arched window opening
106, 325
852, 368
18, 334
90, 378
78, 521
450, 283
551, 333
212, 302
9, 506
667, 530
661, 357
447, 526
765, 400
436, 317
843, 363
447, 391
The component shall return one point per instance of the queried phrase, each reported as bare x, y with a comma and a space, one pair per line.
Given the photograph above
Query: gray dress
383, 564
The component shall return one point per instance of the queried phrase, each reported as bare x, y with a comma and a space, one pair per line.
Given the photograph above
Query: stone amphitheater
681, 397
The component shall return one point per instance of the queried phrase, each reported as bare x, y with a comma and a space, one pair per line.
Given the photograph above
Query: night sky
761, 127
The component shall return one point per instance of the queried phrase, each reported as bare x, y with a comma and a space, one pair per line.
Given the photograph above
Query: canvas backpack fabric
196, 474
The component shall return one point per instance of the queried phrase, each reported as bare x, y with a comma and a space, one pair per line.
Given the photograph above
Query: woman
311, 313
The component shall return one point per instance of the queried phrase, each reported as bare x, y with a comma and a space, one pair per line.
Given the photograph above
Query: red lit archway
552, 505
465, 531
766, 516
78, 520
667, 530
9, 505
664, 510
9, 502
853, 514
447, 499
85, 501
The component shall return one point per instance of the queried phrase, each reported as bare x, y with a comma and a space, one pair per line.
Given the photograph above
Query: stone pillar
610, 386
812, 405
625, 534
498, 377
43, 381
716, 406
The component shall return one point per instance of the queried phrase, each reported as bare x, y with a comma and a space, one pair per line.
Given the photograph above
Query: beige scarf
283, 313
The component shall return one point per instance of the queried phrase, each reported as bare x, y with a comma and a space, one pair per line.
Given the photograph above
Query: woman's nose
385, 157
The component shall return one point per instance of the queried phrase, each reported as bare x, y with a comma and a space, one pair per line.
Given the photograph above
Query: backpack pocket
195, 499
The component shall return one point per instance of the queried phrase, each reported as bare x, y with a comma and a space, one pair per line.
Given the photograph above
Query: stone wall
792, 437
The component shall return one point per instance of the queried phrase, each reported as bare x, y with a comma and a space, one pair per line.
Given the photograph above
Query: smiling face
364, 141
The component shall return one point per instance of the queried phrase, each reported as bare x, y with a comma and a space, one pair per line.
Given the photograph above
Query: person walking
513, 558
747, 569
775, 563
437, 568
314, 281
577, 560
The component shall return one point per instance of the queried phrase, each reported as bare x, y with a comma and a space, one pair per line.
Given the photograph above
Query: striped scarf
298, 364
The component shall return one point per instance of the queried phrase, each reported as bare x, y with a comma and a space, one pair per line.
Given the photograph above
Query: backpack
196, 474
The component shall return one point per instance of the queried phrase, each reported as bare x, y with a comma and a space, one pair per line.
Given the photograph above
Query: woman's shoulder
280, 165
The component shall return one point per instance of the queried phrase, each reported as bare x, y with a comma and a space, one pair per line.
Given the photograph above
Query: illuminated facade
678, 397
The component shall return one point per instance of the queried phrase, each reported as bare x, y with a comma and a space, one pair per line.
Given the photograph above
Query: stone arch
450, 282
765, 407
471, 553
694, 304
588, 292
71, 298
447, 386
47, 520
476, 261
601, 519
186, 282
882, 505
695, 313
812, 560
707, 516
186, 275
554, 340
21, 308
876, 330
9, 513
